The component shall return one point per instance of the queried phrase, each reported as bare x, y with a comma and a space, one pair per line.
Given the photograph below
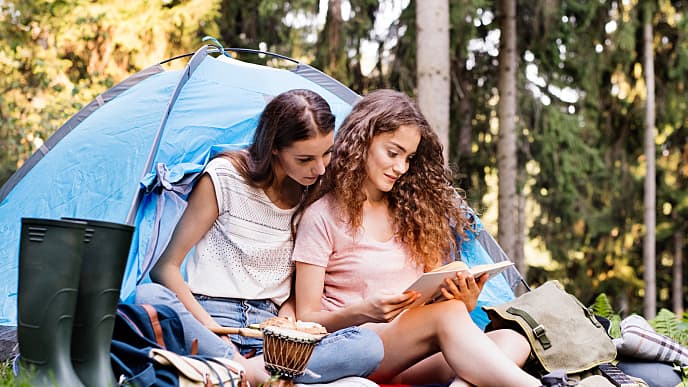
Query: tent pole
196, 59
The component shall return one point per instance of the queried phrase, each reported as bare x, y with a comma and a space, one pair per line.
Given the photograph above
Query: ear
275, 152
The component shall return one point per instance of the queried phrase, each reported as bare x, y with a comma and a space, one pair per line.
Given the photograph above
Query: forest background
566, 120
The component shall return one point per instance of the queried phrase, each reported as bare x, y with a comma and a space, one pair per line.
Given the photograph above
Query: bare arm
198, 218
309, 290
288, 307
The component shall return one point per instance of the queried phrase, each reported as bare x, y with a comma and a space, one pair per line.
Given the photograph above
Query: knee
513, 344
359, 349
452, 310
152, 293
372, 346
365, 345
453, 314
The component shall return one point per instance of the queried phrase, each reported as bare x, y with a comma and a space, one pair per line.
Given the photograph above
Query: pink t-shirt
356, 266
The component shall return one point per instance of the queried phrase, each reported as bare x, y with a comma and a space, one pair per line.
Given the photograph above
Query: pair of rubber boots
70, 275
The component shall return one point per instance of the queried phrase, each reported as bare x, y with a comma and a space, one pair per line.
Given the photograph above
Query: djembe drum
287, 347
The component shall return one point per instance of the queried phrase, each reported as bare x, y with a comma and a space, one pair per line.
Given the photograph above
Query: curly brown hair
424, 205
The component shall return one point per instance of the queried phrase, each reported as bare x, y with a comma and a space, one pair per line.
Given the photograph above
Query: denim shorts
352, 351
239, 313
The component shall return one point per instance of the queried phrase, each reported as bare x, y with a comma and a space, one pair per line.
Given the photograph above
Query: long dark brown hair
292, 116
423, 203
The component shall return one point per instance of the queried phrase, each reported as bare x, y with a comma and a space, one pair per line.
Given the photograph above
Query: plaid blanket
638, 340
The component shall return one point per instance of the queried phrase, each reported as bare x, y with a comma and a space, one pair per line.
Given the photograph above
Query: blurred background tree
579, 120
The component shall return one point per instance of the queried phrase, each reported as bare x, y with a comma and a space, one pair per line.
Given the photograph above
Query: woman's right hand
385, 307
464, 288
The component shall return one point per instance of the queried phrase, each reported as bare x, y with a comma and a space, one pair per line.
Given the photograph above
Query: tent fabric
95, 169
75, 120
474, 250
494, 251
100, 159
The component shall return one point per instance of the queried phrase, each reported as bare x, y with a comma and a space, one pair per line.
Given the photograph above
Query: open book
429, 284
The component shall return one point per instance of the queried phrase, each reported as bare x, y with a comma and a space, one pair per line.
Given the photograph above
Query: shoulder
225, 167
324, 206
228, 181
316, 232
220, 162
218, 165
318, 214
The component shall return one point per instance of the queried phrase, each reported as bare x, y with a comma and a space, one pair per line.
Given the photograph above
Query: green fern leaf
615, 328
667, 324
602, 306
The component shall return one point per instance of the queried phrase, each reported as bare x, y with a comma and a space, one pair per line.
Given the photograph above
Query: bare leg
447, 327
255, 369
514, 345
435, 368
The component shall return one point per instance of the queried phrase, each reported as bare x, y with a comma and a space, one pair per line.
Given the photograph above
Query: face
304, 161
389, 156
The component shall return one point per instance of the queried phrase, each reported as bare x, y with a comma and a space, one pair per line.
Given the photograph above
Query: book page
428, 284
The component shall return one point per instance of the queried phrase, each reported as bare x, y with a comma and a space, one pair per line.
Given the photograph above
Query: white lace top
247, 252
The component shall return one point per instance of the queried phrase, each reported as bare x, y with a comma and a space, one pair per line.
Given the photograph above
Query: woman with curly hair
383, 214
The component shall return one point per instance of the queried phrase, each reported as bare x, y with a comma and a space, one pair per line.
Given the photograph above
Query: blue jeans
352, 351
232, 312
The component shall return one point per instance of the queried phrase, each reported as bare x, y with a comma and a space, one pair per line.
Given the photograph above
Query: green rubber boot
106, 248
49, 265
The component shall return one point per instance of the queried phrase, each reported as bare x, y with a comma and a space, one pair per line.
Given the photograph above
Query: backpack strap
194, 347
208, 381
538, 330
155, 323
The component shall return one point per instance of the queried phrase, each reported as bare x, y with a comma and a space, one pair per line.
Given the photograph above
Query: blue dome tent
132, 155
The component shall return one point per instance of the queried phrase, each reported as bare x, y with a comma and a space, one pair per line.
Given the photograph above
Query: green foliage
589, 182
6, 375
670, 325
603, 307
253, 24
665, 322
339, 52
402, 73
58, 56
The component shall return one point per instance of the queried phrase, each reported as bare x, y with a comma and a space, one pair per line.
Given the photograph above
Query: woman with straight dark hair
240, 219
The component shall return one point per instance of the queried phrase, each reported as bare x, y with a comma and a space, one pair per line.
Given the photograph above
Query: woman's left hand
464, 288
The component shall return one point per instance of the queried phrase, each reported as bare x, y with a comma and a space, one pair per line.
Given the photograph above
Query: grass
6, 376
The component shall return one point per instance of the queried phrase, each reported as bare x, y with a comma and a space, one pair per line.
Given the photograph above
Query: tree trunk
432, 56
678, 273
465, 113
649, 273
506, 145
520, 231
334, 17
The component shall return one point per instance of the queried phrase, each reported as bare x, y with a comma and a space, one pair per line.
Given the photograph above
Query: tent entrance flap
186, 74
